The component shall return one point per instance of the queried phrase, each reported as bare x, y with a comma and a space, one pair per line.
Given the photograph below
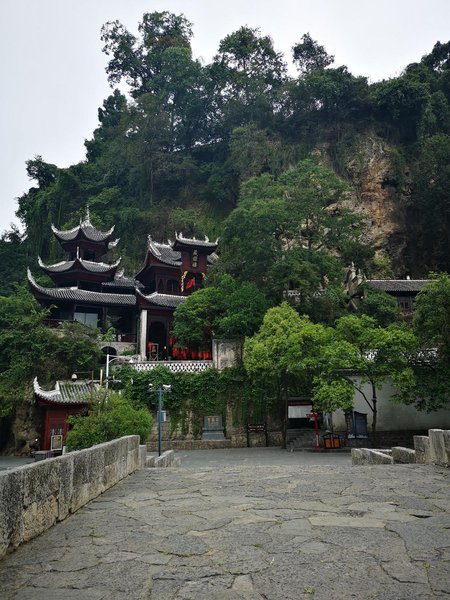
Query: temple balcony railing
129, 338
292, 294
175, 366
118, 336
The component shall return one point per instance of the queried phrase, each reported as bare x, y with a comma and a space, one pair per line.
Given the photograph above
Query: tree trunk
374, 418
285, 419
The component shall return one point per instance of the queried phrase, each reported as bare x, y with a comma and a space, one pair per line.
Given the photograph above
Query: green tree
381, 306
400, 103
285, 231
430, 206
431, 322
28, 349
247, 75
310, 56
141, 61
13, 260
228, 309
361, 352
159, 63
109, 417
284, 354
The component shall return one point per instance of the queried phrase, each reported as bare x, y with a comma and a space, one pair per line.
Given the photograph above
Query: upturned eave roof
163, 253
66, 392
169, 301
80, 264
206, 244
85, 230
74, 294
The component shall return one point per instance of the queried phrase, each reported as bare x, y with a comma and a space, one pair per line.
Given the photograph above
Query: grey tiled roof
164, 300
86, 296
86, 228
66, 392
397, 285
124, 282
87, 265
164, 252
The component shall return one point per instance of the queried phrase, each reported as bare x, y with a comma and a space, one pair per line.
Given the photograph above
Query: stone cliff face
381, 185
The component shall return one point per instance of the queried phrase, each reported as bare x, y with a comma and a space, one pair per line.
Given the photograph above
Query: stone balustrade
175, 366
34, 497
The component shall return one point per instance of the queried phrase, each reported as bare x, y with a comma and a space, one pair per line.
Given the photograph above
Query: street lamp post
110, 359
163, 389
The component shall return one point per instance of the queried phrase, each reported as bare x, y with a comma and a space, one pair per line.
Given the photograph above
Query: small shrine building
66, 399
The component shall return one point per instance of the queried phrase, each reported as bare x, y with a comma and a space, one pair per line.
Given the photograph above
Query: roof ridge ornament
86, 220
152, 246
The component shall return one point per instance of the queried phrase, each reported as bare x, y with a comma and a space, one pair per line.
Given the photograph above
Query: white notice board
299, 412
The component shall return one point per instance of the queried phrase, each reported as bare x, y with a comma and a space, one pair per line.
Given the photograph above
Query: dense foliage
431, 368
241, 149
173, 155
110, 416
193, 396
28, 349
228, 309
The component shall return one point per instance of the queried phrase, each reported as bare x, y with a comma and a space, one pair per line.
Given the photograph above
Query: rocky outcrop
23, 428
381, 191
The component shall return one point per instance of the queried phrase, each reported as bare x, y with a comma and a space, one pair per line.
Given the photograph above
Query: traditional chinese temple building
67, 398
140, 309
403, 290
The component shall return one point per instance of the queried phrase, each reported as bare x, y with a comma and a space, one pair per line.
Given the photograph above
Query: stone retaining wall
167, 459
34, 497
189, 445
432, 449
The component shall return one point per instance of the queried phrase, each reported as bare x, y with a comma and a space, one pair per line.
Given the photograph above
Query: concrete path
261, 457
273, 532
12, 462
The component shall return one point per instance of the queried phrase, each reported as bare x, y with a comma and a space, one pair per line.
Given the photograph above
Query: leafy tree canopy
361, 352
229, 309
431, 368
110, 416
28, 349
310, 56
285, 232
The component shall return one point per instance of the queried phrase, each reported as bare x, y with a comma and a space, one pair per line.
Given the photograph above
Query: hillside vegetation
178, 152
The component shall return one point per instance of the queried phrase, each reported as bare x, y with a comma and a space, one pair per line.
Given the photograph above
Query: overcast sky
53, 69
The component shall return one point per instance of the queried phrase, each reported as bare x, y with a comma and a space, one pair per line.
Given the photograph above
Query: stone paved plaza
242, 531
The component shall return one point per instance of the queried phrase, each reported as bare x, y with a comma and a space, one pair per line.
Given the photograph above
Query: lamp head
167, 388
74, 377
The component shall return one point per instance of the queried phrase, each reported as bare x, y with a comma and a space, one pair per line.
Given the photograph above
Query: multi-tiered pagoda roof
93, 291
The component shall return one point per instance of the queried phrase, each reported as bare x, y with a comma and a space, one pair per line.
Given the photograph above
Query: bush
108, 419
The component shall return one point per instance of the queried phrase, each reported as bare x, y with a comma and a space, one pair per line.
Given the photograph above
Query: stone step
301, 434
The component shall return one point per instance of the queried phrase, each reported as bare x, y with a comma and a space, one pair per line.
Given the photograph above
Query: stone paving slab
249, 532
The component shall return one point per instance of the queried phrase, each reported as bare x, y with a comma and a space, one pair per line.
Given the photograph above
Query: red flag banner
190, 283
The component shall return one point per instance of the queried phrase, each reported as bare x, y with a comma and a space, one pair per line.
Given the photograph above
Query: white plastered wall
393, 416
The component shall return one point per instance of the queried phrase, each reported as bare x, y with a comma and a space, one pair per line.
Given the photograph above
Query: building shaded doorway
157, 341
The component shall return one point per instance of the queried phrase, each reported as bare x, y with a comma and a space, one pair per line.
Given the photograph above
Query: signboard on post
56, 442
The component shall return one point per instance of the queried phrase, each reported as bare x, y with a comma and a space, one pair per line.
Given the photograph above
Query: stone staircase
301, 439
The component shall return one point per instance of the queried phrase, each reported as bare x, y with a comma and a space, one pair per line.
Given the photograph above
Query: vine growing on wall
196, 395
